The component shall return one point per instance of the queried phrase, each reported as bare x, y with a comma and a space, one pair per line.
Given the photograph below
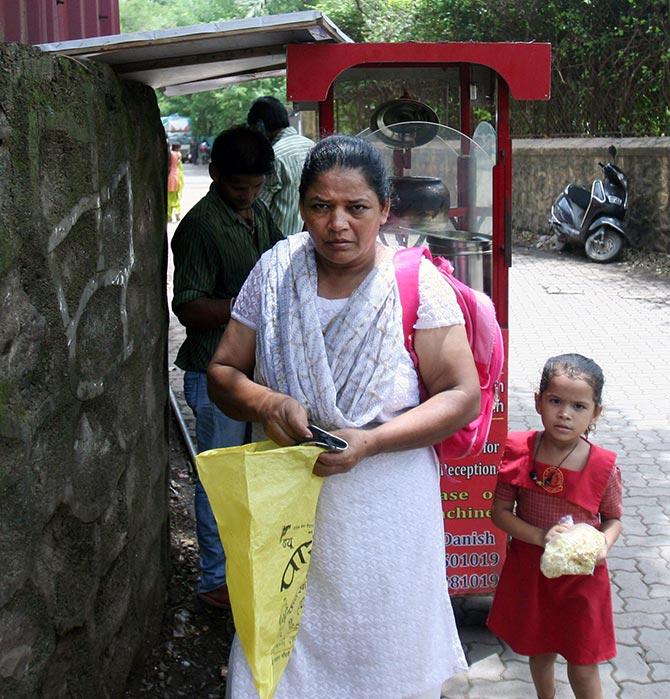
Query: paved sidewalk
566, 304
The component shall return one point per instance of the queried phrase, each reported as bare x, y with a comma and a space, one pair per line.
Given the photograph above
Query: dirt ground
190, 659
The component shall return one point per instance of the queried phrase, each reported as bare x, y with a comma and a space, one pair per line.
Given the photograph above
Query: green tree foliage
213, 111
260, 8
375, 20
611, 58
145, 15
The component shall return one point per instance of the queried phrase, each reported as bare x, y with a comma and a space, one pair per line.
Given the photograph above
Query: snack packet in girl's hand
572, 552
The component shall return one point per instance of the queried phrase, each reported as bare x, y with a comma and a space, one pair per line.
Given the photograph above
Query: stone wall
83, 382
542, 168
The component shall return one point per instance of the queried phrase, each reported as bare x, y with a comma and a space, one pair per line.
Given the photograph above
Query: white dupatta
342, 374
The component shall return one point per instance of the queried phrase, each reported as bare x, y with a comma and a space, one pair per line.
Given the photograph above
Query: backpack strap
407, 262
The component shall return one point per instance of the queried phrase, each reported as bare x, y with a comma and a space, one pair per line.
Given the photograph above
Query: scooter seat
579, 195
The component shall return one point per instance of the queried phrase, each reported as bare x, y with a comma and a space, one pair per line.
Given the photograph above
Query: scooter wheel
603, 245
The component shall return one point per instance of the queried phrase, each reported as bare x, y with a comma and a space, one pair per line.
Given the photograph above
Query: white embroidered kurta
377, 621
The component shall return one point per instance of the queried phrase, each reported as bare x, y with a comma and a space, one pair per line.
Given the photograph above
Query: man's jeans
213, 429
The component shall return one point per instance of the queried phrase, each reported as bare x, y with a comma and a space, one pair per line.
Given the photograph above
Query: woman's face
343, 214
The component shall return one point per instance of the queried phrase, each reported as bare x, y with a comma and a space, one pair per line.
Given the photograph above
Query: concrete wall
83, 403
542, 169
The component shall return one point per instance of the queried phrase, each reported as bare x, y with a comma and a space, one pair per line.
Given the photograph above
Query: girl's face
567, 408
343, 214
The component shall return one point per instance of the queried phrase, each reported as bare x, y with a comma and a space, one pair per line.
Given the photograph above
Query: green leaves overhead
611, 58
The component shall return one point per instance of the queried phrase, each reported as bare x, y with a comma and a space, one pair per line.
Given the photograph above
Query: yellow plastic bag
264, 501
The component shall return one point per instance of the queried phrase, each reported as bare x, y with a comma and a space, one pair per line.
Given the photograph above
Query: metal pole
183, 429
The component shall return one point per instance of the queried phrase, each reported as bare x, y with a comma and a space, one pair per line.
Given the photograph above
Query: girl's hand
332, 462
285, 421
556, 529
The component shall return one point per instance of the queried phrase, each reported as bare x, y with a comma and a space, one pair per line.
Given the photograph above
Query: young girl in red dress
544, 476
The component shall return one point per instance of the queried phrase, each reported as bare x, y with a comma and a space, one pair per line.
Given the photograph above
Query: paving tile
647, 606
635, 620
609, 684
456, 687
508, 654
618, 604
482, 652
633, 479
477, 634
656, 645
654, 571
631, 583
512, 689
629, 665
659, 590
615, 563
660, 672
632, 690
516, 670
627, 637
489, 668
633, 526
629, 549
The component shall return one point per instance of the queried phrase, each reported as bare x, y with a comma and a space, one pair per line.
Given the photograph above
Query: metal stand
183, 430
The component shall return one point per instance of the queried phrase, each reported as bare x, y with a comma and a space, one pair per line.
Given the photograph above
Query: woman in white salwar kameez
316, 336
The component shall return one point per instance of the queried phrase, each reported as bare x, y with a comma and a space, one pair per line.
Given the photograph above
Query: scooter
593, 219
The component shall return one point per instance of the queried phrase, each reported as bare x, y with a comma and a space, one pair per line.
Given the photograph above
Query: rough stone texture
542, 168
83, 375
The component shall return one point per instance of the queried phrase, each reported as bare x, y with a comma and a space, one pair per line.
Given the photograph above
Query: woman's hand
332, 462
285, 421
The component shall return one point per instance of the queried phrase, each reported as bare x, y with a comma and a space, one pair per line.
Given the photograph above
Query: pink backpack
484, 337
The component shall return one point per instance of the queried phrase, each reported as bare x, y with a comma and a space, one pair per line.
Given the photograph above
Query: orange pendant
552, 479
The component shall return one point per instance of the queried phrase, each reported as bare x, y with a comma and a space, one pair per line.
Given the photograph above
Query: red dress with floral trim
570, 615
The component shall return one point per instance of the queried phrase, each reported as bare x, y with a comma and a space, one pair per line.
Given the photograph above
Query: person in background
543, 477
317, 337
280, 191
175, 183
215, 247
193, 151
203, 150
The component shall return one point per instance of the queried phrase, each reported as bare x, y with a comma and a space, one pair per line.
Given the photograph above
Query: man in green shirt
215, 247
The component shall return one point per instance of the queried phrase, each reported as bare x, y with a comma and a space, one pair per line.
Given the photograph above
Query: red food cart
439, 113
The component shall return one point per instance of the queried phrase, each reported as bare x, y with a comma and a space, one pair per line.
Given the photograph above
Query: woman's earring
592, 427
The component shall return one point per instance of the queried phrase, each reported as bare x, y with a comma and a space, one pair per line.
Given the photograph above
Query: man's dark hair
242, 151
270, 112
